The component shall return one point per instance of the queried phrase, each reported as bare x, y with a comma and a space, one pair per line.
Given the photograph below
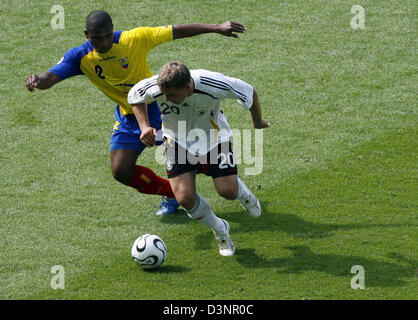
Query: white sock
242, 190
203, 213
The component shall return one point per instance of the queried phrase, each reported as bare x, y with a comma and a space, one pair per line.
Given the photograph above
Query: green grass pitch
339, 180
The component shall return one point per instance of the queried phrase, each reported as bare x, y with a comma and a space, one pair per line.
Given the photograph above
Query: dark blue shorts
126, 131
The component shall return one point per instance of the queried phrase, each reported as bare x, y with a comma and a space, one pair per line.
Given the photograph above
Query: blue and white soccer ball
149, 251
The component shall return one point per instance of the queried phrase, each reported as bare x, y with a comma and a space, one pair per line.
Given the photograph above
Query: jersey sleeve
150, 37
68, 66
144, 91
227, 87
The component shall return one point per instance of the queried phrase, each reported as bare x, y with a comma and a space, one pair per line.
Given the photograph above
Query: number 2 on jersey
99, 72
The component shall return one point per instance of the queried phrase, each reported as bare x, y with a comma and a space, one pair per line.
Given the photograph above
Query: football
149, 251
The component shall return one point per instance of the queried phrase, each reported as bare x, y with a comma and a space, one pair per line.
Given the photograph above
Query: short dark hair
98, 20
173, 75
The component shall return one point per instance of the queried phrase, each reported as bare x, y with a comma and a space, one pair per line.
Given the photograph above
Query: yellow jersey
118, 70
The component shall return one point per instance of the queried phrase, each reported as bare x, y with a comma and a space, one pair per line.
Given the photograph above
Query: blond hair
173, 75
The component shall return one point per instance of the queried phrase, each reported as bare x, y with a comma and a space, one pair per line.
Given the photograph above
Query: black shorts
219, 162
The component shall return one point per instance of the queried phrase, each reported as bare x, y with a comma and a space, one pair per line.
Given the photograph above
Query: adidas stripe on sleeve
223, 87
144, 91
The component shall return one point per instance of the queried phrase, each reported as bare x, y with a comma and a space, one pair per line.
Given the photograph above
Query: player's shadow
377, 272
292, 224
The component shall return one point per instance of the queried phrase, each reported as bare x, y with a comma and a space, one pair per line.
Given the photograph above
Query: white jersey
198, 123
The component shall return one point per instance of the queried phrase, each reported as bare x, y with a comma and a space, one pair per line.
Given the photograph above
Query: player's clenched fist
148, 136
32, 82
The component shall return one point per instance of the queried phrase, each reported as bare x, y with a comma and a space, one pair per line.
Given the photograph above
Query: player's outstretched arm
228, 28
255, 110
45, 81
148, 133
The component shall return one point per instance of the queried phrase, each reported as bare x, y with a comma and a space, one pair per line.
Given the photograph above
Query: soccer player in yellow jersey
115, 61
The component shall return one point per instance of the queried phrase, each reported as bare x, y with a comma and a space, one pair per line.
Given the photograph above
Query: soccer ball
149, 251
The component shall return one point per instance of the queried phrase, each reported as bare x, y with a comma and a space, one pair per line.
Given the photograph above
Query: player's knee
122, 173
123, 164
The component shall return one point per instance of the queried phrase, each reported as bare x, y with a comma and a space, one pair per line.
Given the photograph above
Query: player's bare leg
198, 209
227, 186
123, 163
184, 189
231, 187
126, 171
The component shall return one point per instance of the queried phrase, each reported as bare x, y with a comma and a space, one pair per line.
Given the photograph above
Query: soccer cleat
167, 206
226, 246
251, 204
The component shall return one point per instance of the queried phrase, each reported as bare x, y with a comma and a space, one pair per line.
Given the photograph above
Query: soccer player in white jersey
197, 135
